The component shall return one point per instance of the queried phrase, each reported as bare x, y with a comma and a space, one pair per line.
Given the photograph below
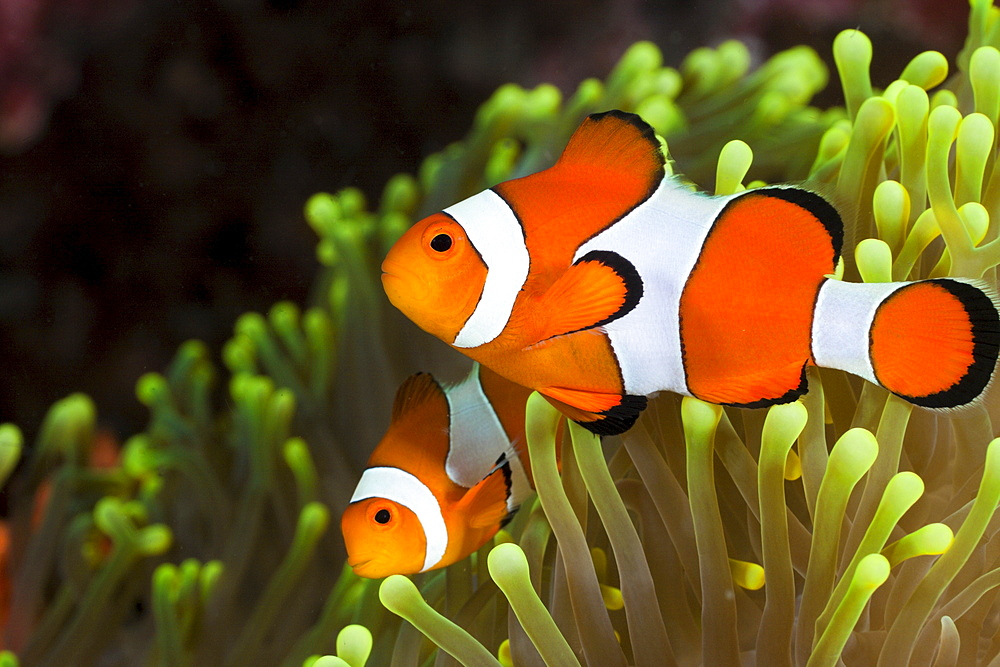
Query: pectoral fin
485, 504
597, 289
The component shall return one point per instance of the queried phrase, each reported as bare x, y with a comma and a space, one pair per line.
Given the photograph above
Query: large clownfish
449, 472
603, 279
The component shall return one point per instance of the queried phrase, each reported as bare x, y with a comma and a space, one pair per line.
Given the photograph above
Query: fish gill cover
845, 526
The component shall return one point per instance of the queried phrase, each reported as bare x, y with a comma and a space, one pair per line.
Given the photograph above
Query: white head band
496, 234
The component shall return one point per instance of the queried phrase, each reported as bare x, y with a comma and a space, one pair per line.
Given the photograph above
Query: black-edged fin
819, 207
618, 419
414, 392
788, 397
984, 317
513, 450
628, 274
503, 465
616, 141
598, 288
485, 504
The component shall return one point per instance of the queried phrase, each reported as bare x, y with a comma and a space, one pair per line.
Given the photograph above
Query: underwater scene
319, 482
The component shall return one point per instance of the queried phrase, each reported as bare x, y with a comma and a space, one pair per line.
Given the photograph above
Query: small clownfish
603, 279
450, 471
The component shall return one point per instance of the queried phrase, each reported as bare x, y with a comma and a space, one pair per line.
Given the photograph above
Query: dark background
155, 155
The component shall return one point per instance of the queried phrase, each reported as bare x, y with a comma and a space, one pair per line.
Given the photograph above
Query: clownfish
603, 279
450, 471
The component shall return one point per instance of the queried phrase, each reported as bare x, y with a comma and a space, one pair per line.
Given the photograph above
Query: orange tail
935, 342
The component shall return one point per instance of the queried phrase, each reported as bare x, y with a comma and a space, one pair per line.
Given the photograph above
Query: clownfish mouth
372, 568
398, 280
359, 564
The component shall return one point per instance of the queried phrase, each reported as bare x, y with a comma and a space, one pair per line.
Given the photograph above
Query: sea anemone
846, 526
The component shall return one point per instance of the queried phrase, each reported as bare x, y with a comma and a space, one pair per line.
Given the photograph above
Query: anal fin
581, 399
603, 414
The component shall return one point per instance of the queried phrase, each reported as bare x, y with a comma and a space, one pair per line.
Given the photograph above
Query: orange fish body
603, 279
449, 472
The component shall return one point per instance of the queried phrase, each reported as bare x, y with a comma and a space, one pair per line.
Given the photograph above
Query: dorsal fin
415, 391
616, 141
612, 164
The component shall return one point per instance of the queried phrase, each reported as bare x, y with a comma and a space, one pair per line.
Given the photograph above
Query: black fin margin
619, 418
788, 397
504, 465
413, 392
635, 120
649, 135
819, 207
629, 275
985, 321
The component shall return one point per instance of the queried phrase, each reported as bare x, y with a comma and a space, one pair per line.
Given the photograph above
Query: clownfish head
395, 523
382, 538
435, 276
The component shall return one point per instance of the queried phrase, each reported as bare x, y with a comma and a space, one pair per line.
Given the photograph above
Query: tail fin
932, 342
935, 342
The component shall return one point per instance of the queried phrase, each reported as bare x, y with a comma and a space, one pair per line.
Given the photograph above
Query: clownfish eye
442, 242
441, 237
383, 516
